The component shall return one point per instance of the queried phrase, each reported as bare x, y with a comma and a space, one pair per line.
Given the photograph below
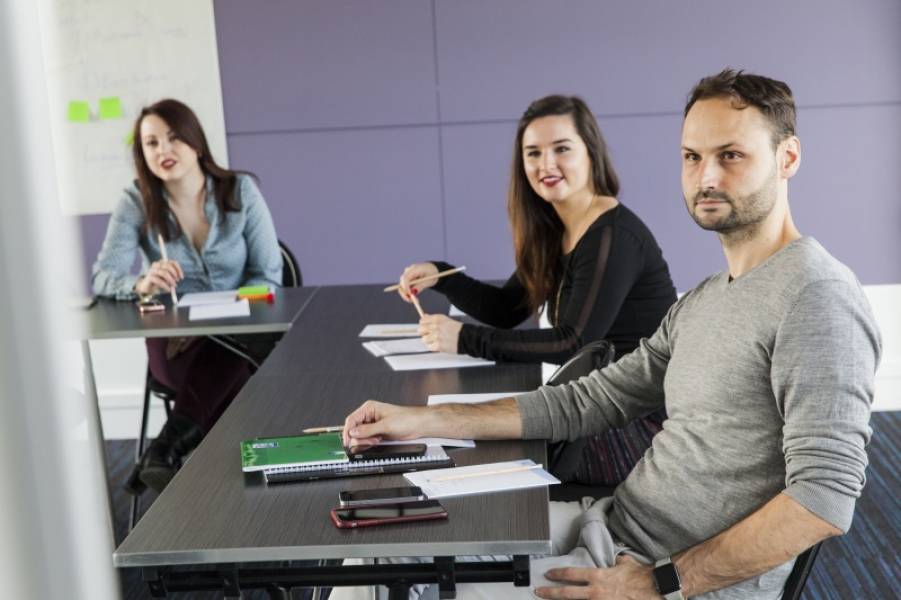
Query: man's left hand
440, 333
627, 580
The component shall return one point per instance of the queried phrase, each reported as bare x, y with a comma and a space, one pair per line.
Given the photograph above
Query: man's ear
788, 156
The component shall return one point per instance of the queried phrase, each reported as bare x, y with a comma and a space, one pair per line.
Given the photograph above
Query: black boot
163, 457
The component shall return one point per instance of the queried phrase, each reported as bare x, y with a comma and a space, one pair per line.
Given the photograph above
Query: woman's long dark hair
186, 127
537, 230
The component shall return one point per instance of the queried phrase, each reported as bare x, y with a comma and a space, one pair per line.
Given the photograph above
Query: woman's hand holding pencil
418, 277
162, 275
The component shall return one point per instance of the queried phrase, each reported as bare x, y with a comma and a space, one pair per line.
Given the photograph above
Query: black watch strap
666, 580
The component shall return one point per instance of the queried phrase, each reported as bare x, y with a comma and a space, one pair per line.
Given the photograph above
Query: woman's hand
411, 274
162, 275
440, 333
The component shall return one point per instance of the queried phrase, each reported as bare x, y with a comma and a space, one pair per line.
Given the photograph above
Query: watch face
667, 579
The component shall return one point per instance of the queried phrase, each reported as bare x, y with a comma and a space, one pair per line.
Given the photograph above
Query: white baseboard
888, 385
121, 415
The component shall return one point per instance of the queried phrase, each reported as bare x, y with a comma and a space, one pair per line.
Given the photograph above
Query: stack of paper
199, 298
448, 442
214, 305
481, 479
200, 312
402, 346
390, 330
434, 360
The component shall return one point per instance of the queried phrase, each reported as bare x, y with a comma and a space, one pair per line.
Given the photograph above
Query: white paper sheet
434, 360
469, 398
390, 330
402, 346
455, 312
220, 311
493, 480
202, 298
451, 443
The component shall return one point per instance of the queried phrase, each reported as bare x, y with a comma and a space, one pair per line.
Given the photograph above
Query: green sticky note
110, 108
130, 138
79, 111
253, 290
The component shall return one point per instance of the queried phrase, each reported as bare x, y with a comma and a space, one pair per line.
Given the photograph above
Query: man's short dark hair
771, 97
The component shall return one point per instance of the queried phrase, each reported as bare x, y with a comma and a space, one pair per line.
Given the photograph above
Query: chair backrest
595, 355
564, 458
794, 585
291, 275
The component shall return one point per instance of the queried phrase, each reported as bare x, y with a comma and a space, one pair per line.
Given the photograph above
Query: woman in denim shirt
218, 234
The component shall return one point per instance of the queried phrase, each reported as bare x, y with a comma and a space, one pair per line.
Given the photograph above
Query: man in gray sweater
766, 372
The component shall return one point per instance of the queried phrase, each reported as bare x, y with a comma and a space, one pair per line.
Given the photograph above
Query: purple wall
382, 131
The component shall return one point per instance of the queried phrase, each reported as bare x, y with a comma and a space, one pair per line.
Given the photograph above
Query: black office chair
291, 277
797, 579
564, 458
291, 274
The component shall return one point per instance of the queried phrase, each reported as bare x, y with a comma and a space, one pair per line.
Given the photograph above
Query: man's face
728, 166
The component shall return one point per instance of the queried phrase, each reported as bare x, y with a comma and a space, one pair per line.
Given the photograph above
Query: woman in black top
589, 258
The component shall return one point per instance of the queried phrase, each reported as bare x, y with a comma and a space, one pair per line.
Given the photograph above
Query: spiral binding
357, 464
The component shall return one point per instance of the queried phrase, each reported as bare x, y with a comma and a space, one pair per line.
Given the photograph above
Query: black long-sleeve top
615, 285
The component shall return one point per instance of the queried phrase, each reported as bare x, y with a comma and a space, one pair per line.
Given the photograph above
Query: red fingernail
415, 292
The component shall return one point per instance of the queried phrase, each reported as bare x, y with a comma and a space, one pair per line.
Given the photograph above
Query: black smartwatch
666, 580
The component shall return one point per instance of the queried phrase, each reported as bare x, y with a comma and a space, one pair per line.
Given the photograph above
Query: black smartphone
349, 499
385, 451
347, 518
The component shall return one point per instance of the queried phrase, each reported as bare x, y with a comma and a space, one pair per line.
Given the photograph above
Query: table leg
399, 591
95, 426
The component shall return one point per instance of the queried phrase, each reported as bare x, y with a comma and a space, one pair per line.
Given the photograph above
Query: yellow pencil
330, 429
396, 286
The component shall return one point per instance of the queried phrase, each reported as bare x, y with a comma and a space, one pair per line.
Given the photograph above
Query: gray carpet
864, 565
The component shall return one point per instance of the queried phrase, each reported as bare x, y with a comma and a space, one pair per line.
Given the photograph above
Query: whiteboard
136, 52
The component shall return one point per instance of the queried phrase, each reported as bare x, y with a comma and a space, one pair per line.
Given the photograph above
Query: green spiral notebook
322, 456
307, 450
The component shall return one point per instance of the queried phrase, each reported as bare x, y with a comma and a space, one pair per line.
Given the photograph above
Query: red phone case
384, 521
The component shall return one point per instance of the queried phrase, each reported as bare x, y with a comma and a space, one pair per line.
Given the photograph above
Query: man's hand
377, 421
627, 580
440, 333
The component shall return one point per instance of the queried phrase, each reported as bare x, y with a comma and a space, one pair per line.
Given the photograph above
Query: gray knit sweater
768, 382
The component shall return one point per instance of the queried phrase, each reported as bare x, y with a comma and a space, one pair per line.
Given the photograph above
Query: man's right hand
377, 421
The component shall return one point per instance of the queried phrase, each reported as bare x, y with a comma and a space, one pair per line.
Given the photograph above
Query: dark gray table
111, 319
108, 319
329, 329
212, 513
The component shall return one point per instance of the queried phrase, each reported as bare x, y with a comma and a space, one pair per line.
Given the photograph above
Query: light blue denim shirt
241, 249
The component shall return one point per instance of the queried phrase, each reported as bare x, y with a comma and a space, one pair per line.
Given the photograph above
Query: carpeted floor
863, 565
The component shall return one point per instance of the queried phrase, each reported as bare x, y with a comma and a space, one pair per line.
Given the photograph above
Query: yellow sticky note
79, 111
110, 108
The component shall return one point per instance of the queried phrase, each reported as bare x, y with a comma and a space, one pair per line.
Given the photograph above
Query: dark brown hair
186, 127
537, 230
771, 97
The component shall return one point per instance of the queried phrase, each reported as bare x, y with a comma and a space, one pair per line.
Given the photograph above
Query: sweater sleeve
264, 259
824, 361
110, 274
604, 399
604, 267
505, 306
